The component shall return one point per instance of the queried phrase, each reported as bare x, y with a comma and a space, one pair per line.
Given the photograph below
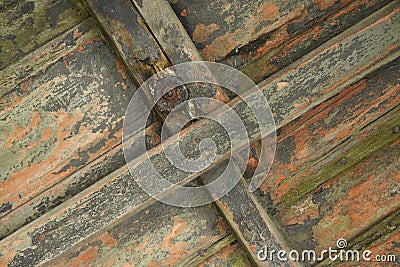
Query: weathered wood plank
222, 26
336, 64
381, 239
249, 222
304, 141
168, 30
178, 46
357, 197
48, 55
63, 117
129, 35
73, 184
27, 25
373, 51
300, 36
166, 40
349, 153
160, 236
232, 255
209, 252
45, 56
176, 43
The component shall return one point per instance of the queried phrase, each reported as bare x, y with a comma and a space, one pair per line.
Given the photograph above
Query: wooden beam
291, 92
163, 234
169, 31
239, 209
46, 19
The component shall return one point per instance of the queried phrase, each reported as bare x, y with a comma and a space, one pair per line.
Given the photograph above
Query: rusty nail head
344, 161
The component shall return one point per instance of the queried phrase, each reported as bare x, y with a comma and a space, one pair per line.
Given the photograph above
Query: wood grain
373, 51
163, 235
27, 25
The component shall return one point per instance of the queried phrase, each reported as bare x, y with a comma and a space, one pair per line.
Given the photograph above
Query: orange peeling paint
324, 4
202, 32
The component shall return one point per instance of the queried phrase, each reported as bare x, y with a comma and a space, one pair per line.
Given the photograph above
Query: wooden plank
300, 36
232, 255
168, 30
167, 42
176, 43
381, 239
48, 54
219, 28
249, 222
380, 236
160, 236
129, 35
342, 157
20, 20
238, 33
305, 141
63, 117
73, 184
354, 198
373, 51
180, 48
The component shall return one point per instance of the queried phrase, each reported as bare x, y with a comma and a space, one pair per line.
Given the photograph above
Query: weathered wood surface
27, 25
64, 116
236, 206
129, 35
101, 199
168, 30
223, 26
177, 45
237, 31
356, 190
250, 223
75, 183
307, 140
160, 236
45, 56
232, 255
297, 38
381, 239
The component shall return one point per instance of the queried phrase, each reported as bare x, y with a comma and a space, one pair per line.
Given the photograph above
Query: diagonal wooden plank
175, 42
249, 222
73, 184
47, 19
161, 26
168, 30
311, 78
163, 235
238, 205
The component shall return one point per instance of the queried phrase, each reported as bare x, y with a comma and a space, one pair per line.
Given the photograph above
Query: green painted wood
163, 235
351, 192
27, 25
232, 255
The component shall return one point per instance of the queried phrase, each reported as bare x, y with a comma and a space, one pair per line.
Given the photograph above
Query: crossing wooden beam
291, 92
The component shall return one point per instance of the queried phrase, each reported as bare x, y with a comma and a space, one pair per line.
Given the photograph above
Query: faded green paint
27, 25
360, 149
